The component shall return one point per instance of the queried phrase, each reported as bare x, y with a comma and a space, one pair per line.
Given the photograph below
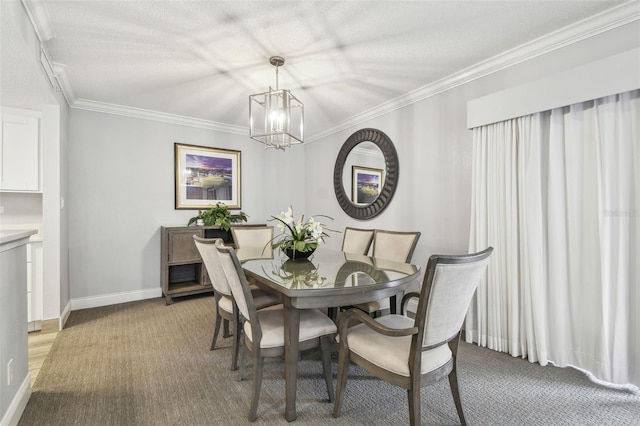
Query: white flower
287, 217
304, 235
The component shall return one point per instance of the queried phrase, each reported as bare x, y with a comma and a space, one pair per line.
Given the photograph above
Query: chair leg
258, 363
237, 324
243, 362
325, 347
216, 331
341, 382
225, 329
414, 404
455, 392
453, 378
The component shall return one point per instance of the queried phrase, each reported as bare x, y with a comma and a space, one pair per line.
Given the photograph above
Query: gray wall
434, 149
121, 191
121, 175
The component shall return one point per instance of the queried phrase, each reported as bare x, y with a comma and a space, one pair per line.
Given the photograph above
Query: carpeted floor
145, 363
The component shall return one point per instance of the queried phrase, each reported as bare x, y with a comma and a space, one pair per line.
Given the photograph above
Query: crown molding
605, 21
60, 71
582, 30
39, 17
146, 114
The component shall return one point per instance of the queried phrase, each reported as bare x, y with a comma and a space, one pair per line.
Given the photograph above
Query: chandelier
276, 117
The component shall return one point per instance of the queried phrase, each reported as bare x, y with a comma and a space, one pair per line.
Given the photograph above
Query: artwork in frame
206, 176
366, 184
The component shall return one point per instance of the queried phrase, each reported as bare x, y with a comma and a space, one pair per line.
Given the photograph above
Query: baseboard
64, 316
17, 406
114, 298
34, 326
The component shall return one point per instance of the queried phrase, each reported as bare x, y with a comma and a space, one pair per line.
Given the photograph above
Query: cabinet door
19, 153
182, 249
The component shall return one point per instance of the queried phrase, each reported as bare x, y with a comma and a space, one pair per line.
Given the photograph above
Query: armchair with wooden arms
415, 352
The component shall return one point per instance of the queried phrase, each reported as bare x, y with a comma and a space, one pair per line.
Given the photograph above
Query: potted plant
299, 239
218, 214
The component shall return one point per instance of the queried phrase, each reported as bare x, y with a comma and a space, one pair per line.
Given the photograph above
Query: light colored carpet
145, 363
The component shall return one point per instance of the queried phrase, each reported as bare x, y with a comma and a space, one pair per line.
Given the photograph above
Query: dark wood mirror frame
391, 174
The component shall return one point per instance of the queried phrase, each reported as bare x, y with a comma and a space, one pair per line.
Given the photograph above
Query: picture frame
205, 176
365, 184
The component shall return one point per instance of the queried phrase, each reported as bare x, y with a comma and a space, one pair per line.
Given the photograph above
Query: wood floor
39, 345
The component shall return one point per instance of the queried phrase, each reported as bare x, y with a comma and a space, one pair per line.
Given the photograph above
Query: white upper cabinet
20, 151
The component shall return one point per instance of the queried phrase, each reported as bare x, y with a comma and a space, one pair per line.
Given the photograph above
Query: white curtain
557, 194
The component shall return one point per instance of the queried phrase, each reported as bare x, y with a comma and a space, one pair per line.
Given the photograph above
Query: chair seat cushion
313, 324
263, 298
226, 304
392, 353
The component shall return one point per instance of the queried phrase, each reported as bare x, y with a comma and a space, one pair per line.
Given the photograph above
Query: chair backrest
448, 286
253, 236
209, 254
239, 288
393, 245
357, 240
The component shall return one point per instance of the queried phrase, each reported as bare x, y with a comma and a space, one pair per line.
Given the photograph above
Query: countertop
37, 237
14, 235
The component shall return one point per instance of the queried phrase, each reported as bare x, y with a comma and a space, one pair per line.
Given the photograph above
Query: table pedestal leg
394, 304
291, 355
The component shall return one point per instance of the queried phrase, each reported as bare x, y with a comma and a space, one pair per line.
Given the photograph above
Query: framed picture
366, 184
206, 176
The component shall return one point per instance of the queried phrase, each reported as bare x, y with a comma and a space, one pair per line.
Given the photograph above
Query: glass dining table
328, 279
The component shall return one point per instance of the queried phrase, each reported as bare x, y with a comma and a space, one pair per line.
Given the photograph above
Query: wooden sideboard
182, 271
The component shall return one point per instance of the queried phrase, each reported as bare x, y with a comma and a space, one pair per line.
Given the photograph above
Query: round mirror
365, 174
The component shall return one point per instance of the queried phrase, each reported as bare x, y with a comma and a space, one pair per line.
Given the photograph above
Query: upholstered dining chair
390, 245
356, 240
264, 329
253, 236
415, 352
225, 306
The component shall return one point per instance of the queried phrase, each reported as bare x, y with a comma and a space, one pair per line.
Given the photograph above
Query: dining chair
356, 240
264, 329
390, 245
415, 352
253, 236
225, 306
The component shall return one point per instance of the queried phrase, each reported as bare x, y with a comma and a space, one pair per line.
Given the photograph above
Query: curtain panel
557, 194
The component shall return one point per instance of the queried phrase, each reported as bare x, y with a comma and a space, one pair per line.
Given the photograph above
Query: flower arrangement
302, 236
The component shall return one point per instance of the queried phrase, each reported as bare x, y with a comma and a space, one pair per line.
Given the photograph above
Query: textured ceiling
202, 59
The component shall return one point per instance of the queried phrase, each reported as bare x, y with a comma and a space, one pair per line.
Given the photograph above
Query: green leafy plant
303, 235
220, 215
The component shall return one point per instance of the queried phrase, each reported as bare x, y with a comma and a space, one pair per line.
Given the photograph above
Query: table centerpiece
299, 239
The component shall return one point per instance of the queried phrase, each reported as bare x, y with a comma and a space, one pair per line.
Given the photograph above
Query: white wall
121, 191
20, 208
434, 149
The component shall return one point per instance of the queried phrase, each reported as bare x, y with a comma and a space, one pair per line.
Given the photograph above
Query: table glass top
325, 270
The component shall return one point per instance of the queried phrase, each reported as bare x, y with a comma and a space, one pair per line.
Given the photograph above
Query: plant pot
298, 255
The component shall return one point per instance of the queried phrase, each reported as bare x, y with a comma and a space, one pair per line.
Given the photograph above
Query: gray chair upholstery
264, 329
390, 245
413, 353
225, 306
357, 241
